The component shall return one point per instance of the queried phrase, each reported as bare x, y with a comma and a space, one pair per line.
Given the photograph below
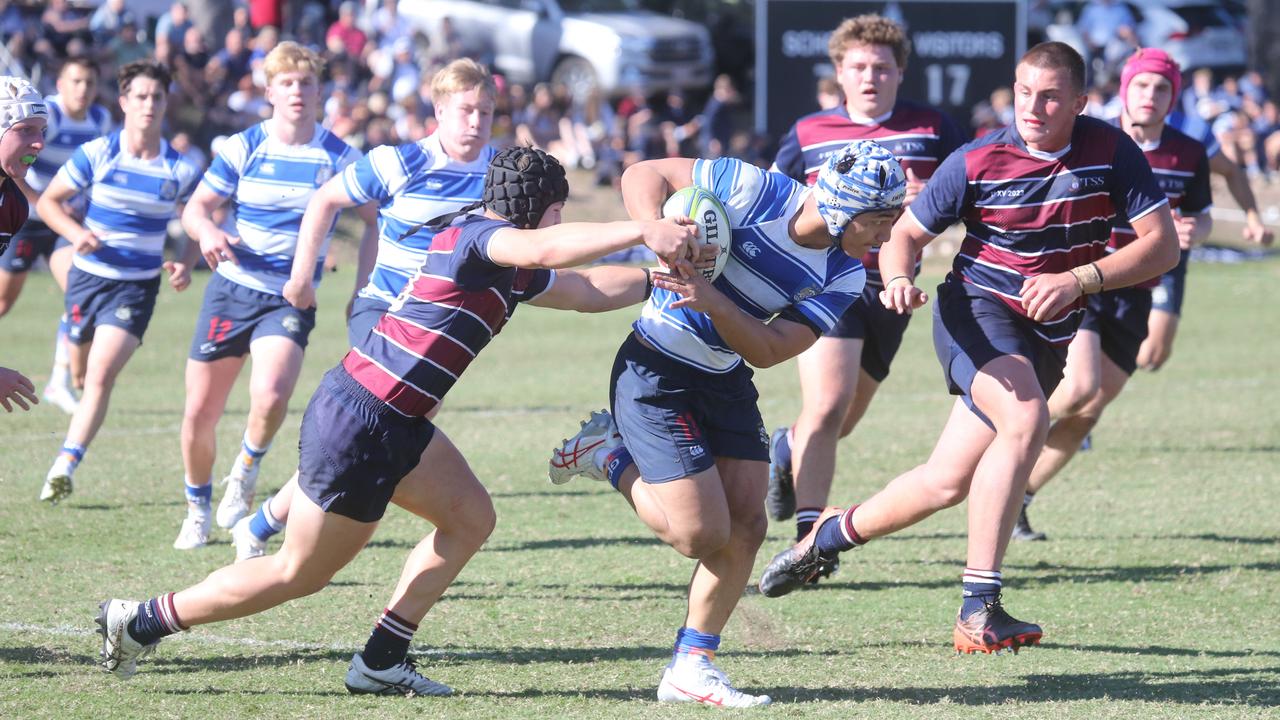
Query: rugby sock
1027, 498
694, 645
389, 643
837, 533
805, 518
199, 497
980, 588
618, 460
263, 524
250, 454
782, 451
156, 618
72, 454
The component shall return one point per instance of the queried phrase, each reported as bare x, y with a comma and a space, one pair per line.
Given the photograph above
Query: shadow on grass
551, 544
1253, 687
1163, 650
44, 655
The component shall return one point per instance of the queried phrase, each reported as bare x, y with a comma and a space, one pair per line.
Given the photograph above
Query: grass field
1157, 590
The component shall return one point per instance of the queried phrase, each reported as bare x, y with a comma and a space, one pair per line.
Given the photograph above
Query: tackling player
1105, 352
689, 451
23, 118
366, 440
1037, 199
74, 119
134, 181
269, 172
840, 374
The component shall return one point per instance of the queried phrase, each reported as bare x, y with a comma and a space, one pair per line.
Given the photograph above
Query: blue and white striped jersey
412, 183
767, 274
131, 201
270, 183
62, 138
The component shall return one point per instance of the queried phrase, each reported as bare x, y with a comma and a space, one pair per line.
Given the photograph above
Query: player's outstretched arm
1153, 253
897, 265
646, 185
15, 388
321, 210
52, 210
597, 289
570, 244
760, 344
1238, 185
197, 220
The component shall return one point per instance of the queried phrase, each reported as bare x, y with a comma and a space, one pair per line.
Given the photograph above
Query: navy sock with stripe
388, 645
156, 619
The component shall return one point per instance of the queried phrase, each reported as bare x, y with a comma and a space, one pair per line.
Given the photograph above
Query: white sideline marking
206, 639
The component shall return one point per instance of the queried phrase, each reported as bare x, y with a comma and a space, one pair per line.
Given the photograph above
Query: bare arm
323, 207
898, 263
598, 289
646, 185
572, 244
1238, 185
54, 214
206, 236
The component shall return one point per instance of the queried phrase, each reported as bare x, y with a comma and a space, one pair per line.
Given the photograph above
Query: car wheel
575, 74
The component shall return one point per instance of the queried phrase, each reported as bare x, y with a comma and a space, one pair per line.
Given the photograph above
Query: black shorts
354, 448
32, 241
232, 316
92, 301
879, 328
1120, 319
1167, 296
972, 327
675, 419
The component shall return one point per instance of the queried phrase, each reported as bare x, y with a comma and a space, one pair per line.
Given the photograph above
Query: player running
840, 374
689, 451
1037, 200
134, 181
366, 440
409, 183
74, 119
1104, 353
23, 118
269, 172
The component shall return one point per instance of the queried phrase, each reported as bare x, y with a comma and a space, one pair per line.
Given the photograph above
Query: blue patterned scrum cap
861, 177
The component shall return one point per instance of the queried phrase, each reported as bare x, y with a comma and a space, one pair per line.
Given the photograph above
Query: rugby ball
710, 217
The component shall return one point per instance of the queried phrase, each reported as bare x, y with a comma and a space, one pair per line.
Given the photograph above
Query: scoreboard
961, 50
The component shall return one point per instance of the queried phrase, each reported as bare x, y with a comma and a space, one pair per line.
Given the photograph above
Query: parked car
611, 44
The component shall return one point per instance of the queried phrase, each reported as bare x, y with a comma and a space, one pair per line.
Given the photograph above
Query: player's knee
702, 541
268, 399
301, 580
827, 418
471, 521
947, 487
750, 532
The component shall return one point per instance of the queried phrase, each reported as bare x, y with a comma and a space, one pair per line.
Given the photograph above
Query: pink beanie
1151, 60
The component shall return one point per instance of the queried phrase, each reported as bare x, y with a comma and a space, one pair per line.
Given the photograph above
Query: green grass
1157, 590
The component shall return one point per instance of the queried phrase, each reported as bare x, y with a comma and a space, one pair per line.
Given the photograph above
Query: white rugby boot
403, 679
576, 455
120, 652
700, 681
194, 533
241, 484
57, 483
247, 544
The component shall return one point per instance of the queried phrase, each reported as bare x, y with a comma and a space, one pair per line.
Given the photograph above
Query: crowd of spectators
377, 82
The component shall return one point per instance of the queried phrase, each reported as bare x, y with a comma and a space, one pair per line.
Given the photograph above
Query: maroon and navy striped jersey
450, 309
13, 211
1029, 213
919, 136
1181, 167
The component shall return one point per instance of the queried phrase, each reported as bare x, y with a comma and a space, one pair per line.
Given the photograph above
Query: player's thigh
1162, 327
1081, 375
60, 264
829, 372
960, 447
1008, 392
318, 544
745, 483
862, 397
209, 384
694, 504
11, 284
277, 362
111, 349
1114, 378
443, 490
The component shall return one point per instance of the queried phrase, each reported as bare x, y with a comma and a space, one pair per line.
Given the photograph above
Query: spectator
388, 25
266, 13
829, 95
61, 23
1107, 27
126, 46
345, 30
230, 63
106, 20
1267, 129
173, 25
716, 125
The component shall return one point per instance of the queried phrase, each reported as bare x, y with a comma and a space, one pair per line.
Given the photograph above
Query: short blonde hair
289, 56
869, 30
461, 75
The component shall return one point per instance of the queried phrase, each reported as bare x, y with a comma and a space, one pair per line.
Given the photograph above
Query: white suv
611, 44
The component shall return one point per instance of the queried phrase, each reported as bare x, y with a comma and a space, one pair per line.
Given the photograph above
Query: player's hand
17, 389
215, 247
85, 242
1258, 234
914, 186
179, 275
902, 296
671, 238
1044, 296
705, 262
695, 291
1186, 227
300, 294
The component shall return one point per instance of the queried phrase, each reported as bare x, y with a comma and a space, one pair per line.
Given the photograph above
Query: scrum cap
522, 182
861, 177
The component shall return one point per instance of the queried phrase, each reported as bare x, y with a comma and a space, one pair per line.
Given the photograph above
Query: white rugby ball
711, 218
